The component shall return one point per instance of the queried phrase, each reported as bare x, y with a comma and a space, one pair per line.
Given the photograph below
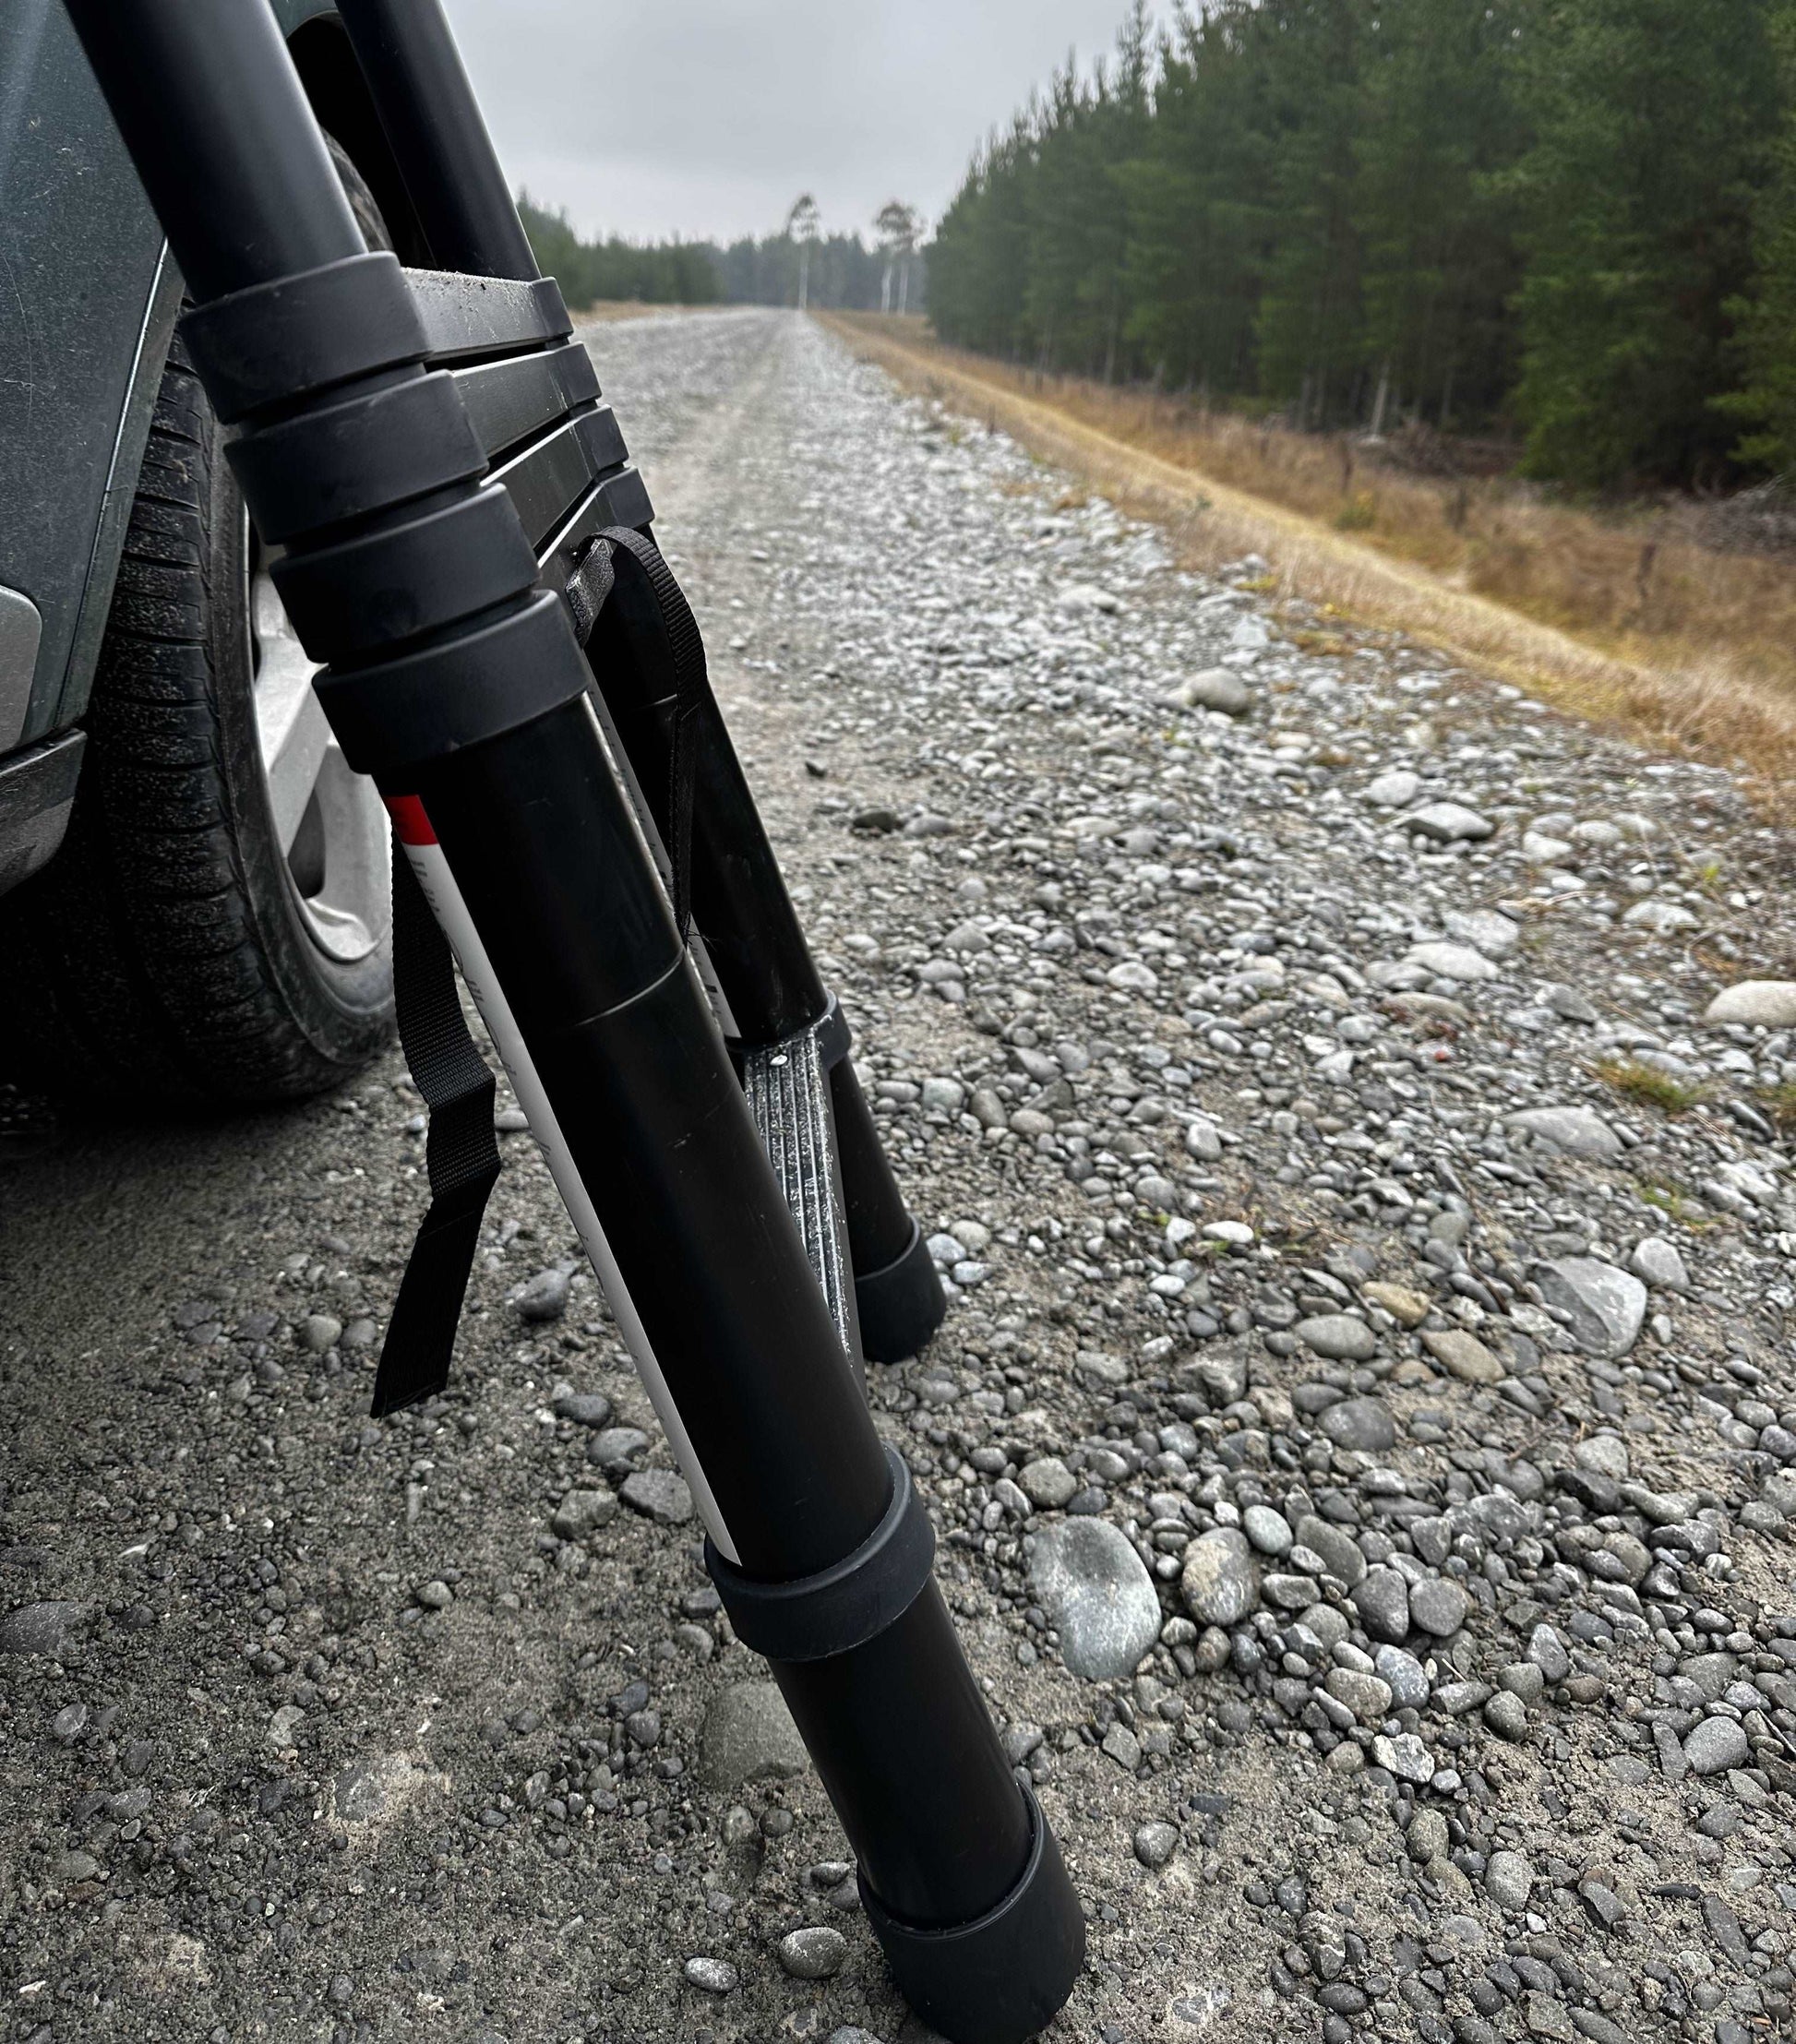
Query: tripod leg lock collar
817, 1617
1005, 1975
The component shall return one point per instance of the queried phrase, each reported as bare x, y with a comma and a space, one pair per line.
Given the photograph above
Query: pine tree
1198, 224
1635, 223
1768, 316
1438, 261
1310, 311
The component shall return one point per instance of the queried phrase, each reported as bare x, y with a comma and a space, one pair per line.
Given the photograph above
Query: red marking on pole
409, 820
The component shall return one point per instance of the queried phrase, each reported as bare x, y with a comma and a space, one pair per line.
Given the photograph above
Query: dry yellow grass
1625, 623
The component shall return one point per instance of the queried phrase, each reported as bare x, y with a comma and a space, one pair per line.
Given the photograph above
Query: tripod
465, 545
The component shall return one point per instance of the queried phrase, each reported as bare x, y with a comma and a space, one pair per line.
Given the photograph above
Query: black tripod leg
459, 684
756, 943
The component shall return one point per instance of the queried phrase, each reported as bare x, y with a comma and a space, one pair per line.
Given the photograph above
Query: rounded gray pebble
813, 1954
1155, 1843
1715, 1745
1094, 1588
1508, 1880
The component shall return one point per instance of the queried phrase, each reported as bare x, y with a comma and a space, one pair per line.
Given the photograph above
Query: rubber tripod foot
900, 1306
1003, 1977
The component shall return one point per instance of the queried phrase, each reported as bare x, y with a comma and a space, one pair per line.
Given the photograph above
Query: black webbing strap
461, 1153
622, 549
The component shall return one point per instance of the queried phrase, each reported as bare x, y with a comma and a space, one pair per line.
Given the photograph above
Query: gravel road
1363, 1440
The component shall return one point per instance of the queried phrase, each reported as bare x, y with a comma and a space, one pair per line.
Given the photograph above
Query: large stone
1359, 1423
659, 1495
1438, 1606
1215, 689
1484, 928
1339, 1550
1607, 1305
1048, 1483
1220, 1582
816, 1952
1454, 961
545, 1298
1661, 918
1411, 1308
748, 1735
1405, 1756
1659, 1263
1367, 1696
1382, 1603
1508, 1880
1339, 1336
582, 1511
44, 1628
1395, 789
1449, 822
1095, 1589
1577, 1131
1715, 1745
1605, 1454
1768, 1003
1463, 1356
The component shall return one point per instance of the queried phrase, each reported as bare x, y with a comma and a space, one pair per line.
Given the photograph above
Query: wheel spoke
345, 894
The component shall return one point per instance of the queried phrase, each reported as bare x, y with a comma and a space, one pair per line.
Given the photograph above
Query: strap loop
461, 1152
620, 550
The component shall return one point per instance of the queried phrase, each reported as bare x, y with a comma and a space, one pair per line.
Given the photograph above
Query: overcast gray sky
709, 117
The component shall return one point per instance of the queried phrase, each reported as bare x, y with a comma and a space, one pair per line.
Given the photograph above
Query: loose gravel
1362, 1441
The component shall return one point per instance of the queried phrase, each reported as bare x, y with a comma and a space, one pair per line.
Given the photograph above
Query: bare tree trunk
804, 279
885, 290
903, 287
1382, 398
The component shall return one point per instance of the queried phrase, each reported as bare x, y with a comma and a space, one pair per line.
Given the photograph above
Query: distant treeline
1575, 218
844, 272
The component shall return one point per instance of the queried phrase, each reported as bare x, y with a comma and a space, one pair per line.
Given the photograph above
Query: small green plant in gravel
1780, 1104
1648, 1085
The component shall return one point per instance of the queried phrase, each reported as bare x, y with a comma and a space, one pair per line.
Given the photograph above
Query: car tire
216, 928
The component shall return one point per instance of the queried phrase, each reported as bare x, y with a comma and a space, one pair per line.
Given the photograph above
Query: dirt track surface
1346, 1204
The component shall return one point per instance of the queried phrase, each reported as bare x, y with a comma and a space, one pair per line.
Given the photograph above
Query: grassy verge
1676, 643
